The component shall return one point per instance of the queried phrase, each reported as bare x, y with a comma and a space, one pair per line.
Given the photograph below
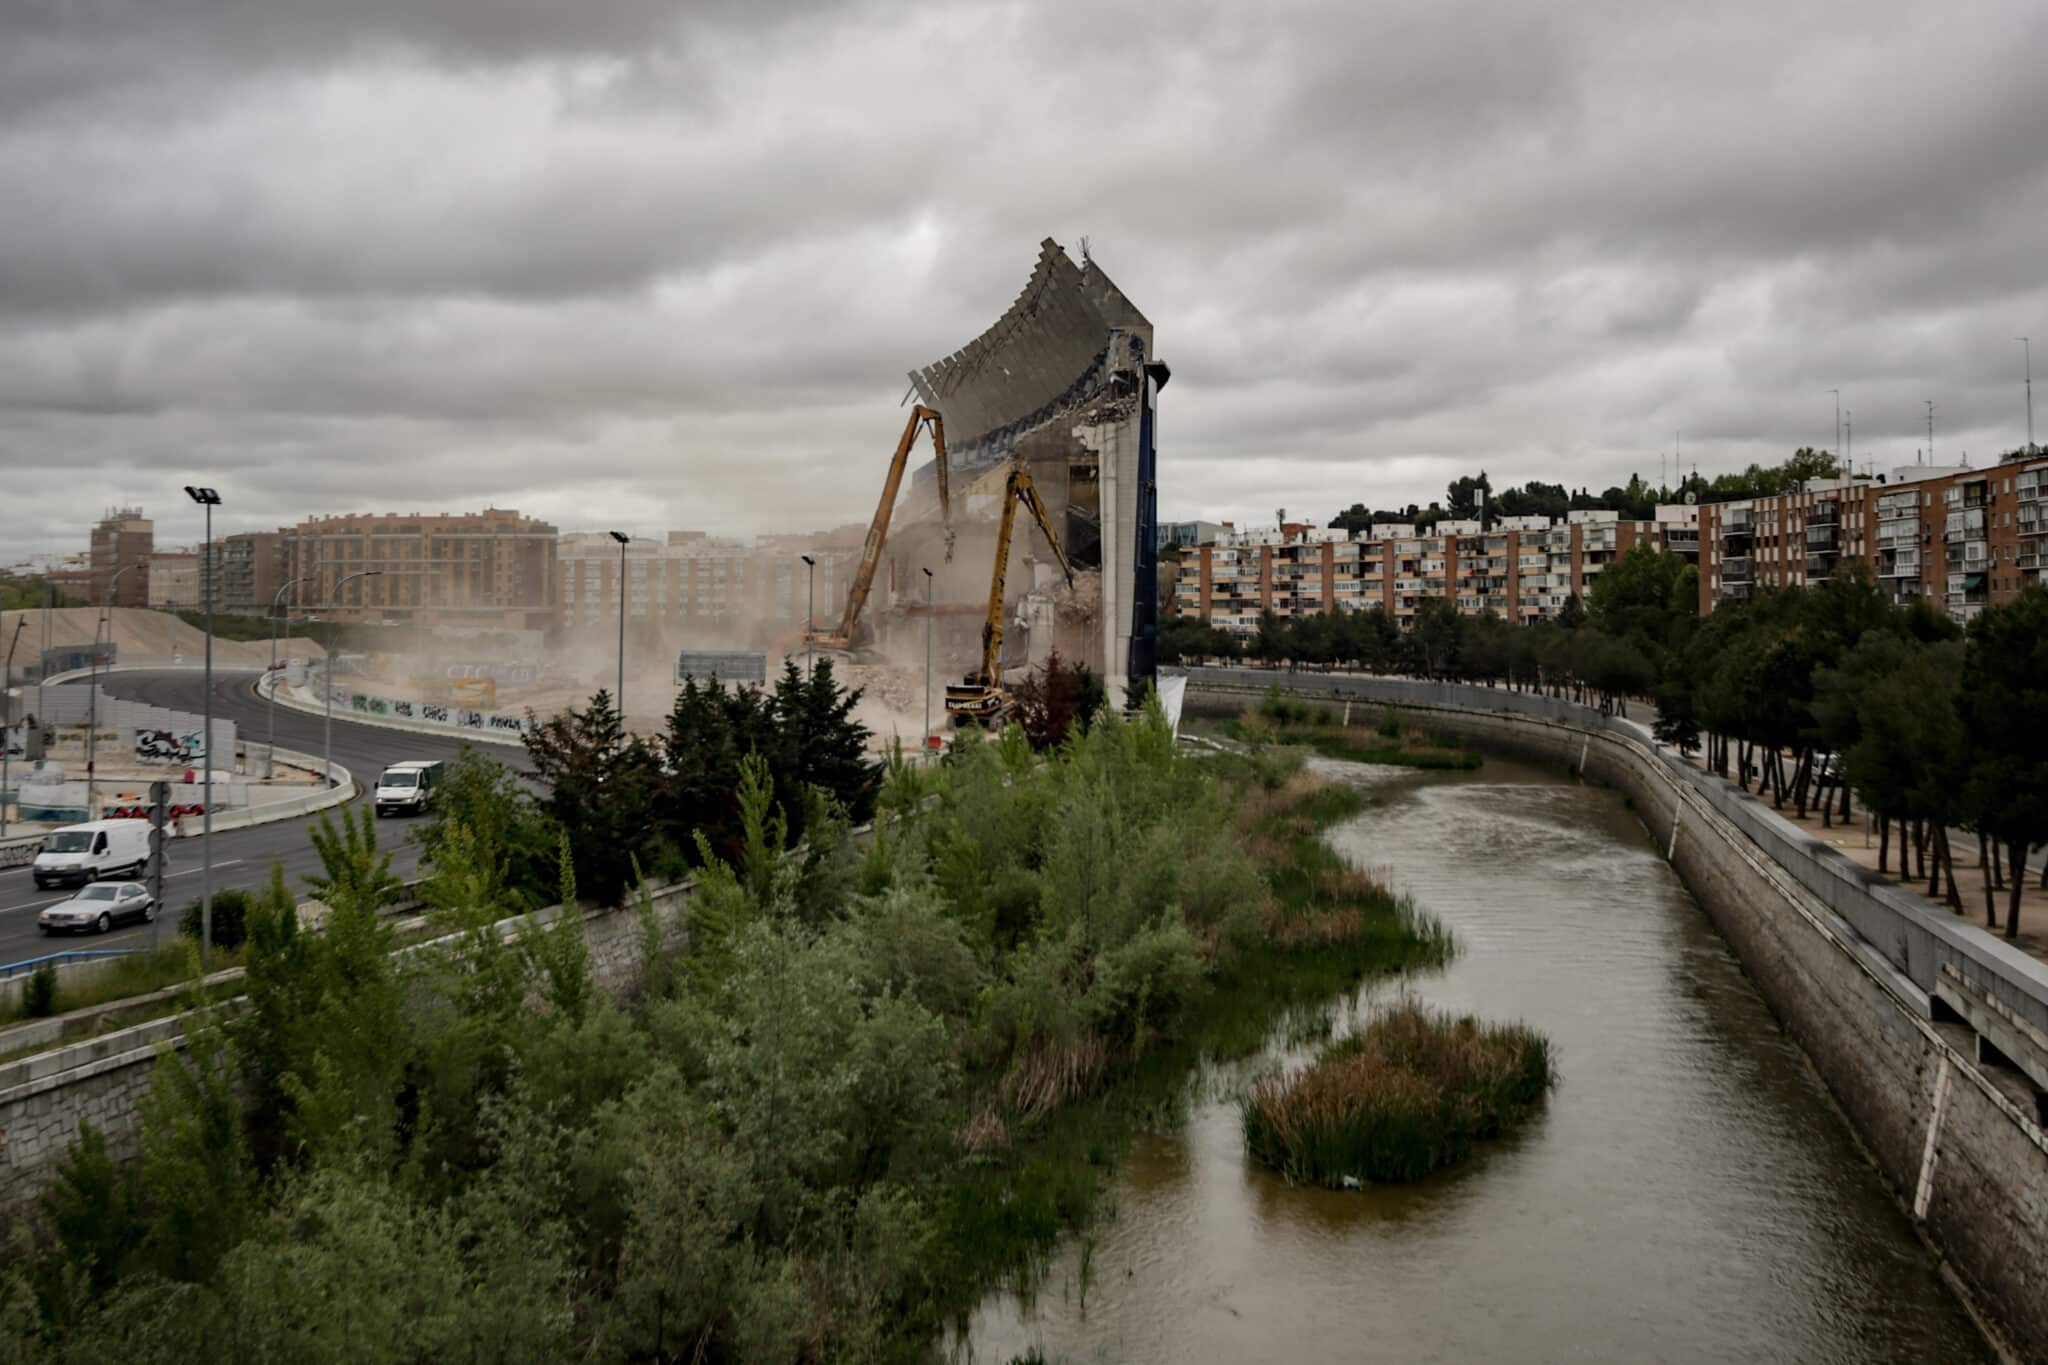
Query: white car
96, 909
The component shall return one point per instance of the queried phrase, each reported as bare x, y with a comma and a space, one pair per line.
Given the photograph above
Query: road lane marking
232, 862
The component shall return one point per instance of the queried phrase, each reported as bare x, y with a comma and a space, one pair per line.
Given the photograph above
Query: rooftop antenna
1084, 251
1930, 431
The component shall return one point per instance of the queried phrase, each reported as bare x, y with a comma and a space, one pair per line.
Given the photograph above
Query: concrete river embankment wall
1931, 1035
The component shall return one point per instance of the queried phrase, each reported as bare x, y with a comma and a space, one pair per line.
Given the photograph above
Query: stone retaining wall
1926, 1039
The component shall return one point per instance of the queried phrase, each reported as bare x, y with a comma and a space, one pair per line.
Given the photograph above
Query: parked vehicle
96, 909
407, 788
84, 853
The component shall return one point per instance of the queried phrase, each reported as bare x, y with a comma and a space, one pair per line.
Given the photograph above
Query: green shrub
1390, 723
230, 918
1283, 710
1408, 1094
39, 997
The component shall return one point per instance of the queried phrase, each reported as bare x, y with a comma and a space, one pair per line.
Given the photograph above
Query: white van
78, 854
407, 788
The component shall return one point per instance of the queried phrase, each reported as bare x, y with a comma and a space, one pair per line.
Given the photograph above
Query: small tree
353, 873
2004, 700
1056, 699
602, 789
486, 799
230, 918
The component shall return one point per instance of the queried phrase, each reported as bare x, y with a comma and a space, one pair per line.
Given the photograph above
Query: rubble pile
889, 686
1082, 603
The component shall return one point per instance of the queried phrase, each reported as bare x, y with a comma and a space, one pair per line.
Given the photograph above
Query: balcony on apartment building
1682, 538
1824, 513
1738, 569
1964, 524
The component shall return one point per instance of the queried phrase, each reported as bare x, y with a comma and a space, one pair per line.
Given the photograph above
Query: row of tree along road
1814, 696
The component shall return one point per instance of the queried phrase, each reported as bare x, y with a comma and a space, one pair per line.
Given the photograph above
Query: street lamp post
927, 661
92, 701
327, 673
619, 699
9, 718
209, 499
810, 608
1838, 422
270, 752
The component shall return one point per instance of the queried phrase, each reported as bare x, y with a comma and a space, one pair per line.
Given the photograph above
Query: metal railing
10, 970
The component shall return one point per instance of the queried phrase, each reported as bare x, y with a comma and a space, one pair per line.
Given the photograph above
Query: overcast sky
621, 262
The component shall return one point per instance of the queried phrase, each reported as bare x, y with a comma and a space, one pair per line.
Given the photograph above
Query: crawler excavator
844, 638
982, 696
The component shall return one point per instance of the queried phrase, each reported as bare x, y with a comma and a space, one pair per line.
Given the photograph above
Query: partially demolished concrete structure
1066, 383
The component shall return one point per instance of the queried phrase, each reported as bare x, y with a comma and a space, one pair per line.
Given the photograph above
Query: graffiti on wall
513, 675
433, 713
169, 746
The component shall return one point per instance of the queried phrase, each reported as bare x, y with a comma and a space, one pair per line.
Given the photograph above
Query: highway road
241, 858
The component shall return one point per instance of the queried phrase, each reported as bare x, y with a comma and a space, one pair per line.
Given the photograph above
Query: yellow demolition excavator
878, 529
982, 697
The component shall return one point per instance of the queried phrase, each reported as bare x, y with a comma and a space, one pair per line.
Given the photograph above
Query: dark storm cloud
668, 263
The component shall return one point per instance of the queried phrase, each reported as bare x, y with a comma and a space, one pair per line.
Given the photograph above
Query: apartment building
488, 568
1957, 537
1523, 568
122, 538
253, 566
692, 580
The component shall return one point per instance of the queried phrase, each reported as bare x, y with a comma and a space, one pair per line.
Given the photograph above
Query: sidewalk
1858, 842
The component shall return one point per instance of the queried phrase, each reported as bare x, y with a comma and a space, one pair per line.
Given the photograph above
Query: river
1690, 1194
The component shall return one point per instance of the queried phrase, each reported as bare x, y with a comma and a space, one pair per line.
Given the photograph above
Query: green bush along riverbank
887, 1075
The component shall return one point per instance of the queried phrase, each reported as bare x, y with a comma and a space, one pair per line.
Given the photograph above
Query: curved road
241, 858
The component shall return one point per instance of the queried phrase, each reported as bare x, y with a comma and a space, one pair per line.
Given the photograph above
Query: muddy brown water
1689, 1194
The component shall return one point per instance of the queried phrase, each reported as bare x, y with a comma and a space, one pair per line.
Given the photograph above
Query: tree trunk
2019, 883
2044, 873
1919, 848
1934, 876
1742, 764
1990, 896
1948, 862
1998, 864
1847, 814
1884, 840
1801, 774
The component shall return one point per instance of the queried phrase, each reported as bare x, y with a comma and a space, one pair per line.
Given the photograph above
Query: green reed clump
1407, 1095
1274, 722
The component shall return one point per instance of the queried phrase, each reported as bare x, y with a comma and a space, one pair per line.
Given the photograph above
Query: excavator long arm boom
1019, 489
878, 529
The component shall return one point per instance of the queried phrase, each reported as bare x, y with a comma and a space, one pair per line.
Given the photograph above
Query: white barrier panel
461, 718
